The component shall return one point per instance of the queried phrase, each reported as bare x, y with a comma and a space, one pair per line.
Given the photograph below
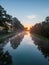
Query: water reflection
42, 45
17, 40
22, 50
5, 57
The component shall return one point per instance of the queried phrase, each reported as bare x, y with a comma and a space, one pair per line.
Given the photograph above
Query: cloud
31, 17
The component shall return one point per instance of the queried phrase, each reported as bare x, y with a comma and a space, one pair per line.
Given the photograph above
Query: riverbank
41, 37
7, 35
3, 37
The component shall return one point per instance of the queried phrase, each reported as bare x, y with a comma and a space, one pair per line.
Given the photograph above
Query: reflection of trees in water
16, 41
43, 46
5, 57
5, 40
3, 43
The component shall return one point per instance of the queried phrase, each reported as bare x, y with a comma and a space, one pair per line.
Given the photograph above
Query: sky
29, 12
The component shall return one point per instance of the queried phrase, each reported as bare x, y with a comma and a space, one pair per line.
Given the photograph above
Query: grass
42, 37
7, 35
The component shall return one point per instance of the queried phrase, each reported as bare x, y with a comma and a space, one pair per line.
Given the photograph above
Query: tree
41, 28
16, 24
4, 17
47, 19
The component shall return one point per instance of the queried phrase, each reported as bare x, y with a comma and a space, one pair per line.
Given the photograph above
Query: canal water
24, 49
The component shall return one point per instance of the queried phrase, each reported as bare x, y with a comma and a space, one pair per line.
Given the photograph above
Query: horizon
29, 12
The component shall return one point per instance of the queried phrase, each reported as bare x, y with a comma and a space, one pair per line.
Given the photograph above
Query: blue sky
28, 12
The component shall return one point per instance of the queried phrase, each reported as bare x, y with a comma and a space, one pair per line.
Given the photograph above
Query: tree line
41, 28
8, 23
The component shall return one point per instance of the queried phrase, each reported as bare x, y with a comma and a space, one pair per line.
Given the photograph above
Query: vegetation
8, 23
16, 24
41, 28
4, 18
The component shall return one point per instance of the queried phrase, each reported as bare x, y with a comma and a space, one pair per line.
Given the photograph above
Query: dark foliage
16, 24
41, 28
6, 21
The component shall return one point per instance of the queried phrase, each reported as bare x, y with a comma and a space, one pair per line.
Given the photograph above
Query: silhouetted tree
4, 17
47, 19
6, 20
41, 28
16, 24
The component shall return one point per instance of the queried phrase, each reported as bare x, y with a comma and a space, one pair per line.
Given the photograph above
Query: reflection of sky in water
26, 53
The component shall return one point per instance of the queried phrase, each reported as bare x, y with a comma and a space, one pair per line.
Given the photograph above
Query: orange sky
28, 26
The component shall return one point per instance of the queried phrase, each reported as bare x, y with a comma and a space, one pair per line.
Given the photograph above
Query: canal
24, 49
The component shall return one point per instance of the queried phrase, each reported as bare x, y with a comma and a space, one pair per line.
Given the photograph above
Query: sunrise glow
28, 27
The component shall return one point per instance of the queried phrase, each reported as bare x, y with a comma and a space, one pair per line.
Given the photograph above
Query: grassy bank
7, 35
42, 37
